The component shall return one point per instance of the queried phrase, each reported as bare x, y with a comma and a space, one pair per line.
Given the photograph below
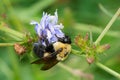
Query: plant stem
12, 14
9, 44
65, 67
108, 26
95, 29
104, 10
12, 32
91, 39
76, 72
112, 72
75, 51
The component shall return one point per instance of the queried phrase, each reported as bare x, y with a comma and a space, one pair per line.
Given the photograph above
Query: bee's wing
39, 61
49, 64
47, 61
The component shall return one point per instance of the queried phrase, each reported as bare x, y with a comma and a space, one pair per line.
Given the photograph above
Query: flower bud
102, 48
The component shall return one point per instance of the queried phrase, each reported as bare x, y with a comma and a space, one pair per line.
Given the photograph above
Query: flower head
48, 28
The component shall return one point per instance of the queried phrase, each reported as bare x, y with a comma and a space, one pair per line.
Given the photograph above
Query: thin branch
108, 27
9, 44
112, 72
9, 31
76, 72
105, 10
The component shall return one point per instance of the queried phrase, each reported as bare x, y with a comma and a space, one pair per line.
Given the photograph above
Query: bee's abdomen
39, 50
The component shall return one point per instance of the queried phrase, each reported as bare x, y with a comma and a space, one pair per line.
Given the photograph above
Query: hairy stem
108, 26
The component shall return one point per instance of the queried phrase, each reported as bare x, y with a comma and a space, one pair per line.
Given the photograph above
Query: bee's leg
39, 49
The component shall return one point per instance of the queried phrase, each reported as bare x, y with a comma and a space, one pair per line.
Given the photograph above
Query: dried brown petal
19, 49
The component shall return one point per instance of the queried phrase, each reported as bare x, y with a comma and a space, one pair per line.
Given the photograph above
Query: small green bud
82, 42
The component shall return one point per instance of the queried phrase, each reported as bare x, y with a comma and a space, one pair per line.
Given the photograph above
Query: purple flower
48, 28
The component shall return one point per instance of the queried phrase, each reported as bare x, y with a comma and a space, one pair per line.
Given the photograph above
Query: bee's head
65, 50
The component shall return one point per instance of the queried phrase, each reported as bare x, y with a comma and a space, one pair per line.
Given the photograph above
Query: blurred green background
78, 17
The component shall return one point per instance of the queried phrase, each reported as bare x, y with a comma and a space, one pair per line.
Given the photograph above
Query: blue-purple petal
53, 39
49, 28
59, 33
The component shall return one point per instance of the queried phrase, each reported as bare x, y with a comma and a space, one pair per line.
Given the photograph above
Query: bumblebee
53, 53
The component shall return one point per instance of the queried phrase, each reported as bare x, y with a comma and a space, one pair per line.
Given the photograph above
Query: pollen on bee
46, 54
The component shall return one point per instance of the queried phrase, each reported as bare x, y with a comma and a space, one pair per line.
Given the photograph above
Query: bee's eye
67, 40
